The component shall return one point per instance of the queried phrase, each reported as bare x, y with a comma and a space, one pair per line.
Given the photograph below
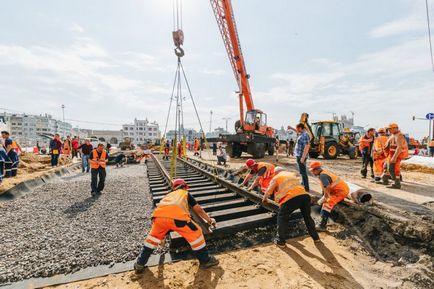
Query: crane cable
429, 34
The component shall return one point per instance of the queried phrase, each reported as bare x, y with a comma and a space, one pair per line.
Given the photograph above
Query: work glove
212, 223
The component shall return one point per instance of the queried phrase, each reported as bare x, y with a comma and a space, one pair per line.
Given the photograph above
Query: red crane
253, 134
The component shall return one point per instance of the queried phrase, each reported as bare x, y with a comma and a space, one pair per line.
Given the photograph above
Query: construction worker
290, 196
379, 154
365, 145
166, 150
431, 148
98, 162
264, 173
12, 160
334, 190
55, 148
196, 146
3, 158
172, 214
67, 146
302, 147
397, 149
180, 150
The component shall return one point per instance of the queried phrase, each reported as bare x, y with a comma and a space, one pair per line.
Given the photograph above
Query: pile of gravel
59, 228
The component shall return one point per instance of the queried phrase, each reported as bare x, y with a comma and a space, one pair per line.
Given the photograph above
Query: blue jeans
303, 173
85, 163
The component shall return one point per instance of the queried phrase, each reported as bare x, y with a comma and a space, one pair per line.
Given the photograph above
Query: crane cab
255, 121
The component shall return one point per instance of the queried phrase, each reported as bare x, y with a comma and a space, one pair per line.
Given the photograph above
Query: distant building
141, 131
28, 129
217, 131
284, 134
345, 120
190, 134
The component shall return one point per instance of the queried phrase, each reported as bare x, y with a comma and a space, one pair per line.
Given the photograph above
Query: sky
111, 61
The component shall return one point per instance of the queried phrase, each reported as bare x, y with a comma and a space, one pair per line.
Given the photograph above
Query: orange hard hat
250, 163
393, 125
314, 165
178, 183
381, 130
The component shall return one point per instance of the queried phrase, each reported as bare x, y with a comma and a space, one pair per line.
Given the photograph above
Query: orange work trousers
379, 167
331, 202
189, 230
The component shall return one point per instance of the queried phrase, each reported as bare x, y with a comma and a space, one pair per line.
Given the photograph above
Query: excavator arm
226, 22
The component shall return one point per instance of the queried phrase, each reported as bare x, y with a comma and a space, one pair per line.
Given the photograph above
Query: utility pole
226, 119
210, 120
63, 113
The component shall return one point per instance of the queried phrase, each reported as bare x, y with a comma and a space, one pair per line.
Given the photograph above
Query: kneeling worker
264, 173
290, 195
172, 213
334, 189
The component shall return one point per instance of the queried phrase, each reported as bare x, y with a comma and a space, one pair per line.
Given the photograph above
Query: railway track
235, 209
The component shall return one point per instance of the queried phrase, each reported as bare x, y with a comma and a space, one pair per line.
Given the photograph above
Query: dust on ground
31, 167
301, 264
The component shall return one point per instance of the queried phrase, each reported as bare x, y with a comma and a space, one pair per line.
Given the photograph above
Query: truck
252, 134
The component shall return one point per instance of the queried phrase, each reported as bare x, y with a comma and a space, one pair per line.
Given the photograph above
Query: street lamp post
210, 120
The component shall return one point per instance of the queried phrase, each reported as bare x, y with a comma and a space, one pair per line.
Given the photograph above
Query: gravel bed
59, 228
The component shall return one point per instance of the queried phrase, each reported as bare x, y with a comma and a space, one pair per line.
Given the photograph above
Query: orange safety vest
96, 159
269, 172
196, 145
338, 187
287, 187
265, 180
174, 205
363, 143
392, 146
379, 147
431, 144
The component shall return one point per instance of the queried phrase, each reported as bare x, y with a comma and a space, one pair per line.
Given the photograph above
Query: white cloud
391, 84
76, 28
400, 26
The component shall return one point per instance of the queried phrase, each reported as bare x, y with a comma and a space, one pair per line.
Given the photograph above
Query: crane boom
226, 22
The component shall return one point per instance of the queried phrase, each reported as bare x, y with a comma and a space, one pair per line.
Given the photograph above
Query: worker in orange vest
196, 147
379, 154
98, 162
166, 150
264, 173
67, 146
334, 190
365, 146
397, 149
173, 214
290, 196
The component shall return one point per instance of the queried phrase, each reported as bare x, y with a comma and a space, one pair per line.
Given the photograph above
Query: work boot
279, 242
385, 179
322, 227
396, 185
364, 173
138, 268
213, 261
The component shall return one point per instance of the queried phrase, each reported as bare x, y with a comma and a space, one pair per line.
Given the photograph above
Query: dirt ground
31, 166
336, 263
301, 264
